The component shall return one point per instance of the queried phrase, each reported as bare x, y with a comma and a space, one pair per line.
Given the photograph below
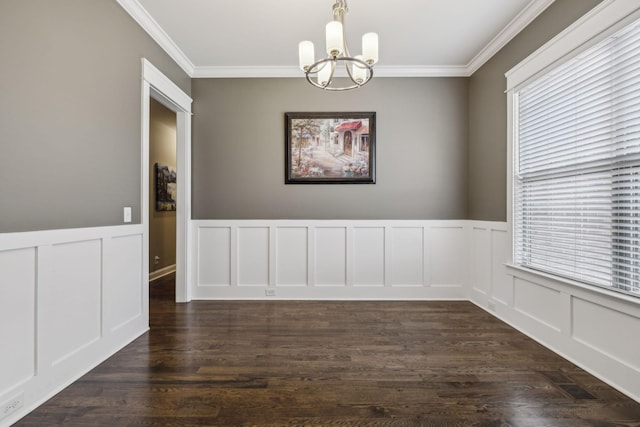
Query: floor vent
567, 385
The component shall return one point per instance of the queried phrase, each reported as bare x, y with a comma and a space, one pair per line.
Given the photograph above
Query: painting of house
330, 148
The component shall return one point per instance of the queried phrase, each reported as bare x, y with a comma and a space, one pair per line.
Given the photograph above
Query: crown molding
246, 72
421, 71
517, 24
142, 17
294, 71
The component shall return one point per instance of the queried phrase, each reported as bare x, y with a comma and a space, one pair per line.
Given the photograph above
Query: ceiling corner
513, 28
142, 17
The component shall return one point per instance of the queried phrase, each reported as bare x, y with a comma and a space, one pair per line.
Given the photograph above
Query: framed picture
330, 148
166, 187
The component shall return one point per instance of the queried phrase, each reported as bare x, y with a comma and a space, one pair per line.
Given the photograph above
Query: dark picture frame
330, 148
166, 186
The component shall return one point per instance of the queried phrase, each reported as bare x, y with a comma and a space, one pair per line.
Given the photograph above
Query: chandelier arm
344, 41
315, 68
349, 73
340, 10
330, 79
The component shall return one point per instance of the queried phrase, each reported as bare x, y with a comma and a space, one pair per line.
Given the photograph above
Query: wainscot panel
66, 326
480, 267
407, 256
501, 285
124, 299
253, 259
330, 256
292, 256
70, 299
592, 326
17, 317
540, 303
214, 266
368, 256
448, 253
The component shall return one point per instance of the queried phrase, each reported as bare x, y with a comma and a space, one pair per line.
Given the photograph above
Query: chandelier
359, 69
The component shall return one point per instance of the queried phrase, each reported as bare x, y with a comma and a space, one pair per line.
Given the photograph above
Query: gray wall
488, 109
162, 149
238, 150
70, 112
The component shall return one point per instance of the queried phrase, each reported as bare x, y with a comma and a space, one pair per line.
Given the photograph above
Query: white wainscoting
69, 299
300, 259
595, 329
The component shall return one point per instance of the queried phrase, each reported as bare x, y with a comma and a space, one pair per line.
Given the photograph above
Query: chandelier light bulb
335, 42
306, 54
325, 74
370, 48
359, 71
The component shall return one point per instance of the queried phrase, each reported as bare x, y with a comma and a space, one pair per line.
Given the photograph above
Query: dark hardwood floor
333, 364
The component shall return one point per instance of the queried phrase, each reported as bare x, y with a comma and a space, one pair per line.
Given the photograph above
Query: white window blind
577, 169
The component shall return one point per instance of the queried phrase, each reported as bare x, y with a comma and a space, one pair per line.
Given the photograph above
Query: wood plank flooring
333, 364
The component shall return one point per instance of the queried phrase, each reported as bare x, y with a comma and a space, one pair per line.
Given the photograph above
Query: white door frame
159, 87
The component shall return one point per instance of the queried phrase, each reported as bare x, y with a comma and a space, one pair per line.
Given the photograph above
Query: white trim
294, 71
520, 22
246, 72
157, 85
542, 277
421, 71
164, 271
142, 17
170, 92
604, 19
144, 191
512, 125
183, 216
27, 239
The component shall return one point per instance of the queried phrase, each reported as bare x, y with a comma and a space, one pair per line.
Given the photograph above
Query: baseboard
165, 271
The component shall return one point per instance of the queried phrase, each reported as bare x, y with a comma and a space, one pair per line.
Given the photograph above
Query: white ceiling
259, 38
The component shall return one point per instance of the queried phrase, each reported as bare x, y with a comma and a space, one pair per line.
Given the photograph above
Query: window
576, 175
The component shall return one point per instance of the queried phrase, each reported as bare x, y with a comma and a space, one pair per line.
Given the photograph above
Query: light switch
127, 214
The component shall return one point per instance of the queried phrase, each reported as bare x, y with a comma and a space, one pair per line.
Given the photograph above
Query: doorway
156, 86
348, 143
162, 191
